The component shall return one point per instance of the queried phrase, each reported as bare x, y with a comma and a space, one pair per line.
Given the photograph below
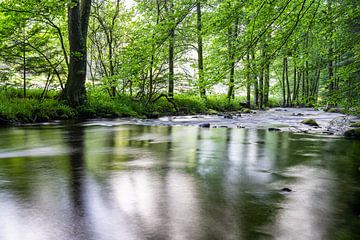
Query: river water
106, 181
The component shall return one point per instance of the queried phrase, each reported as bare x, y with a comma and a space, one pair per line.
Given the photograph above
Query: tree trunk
78, 20
256, 89
24, 60
232, 38
201, 83
294, 85
261, 88
267, 83
171, 51
248, 81
288, 99
283, 83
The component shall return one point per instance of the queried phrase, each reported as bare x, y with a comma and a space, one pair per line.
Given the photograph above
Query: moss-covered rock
353, 133
245, 110
310, 122
356, 125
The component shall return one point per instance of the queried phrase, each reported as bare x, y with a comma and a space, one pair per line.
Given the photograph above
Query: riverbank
14, 108
214, 112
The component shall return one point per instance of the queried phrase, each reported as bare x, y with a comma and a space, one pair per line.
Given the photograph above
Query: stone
204, 125
286, 189
353, 133
310, 122
246, 110
274, 129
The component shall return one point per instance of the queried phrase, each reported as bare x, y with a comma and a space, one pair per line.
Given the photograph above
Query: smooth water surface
102, 182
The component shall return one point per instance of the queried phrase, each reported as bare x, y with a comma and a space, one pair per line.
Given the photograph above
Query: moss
310, 122
246, 110
356, 125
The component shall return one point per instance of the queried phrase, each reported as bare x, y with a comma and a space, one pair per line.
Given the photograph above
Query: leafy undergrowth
16, 109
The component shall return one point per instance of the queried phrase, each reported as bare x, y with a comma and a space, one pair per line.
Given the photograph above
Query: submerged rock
297, 114
310, 122
353, 133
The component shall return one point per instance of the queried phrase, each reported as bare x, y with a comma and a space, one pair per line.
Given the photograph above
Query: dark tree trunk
288, 99
248, 81
24, 61
200, 51
256, 89
267, 83
171, 51
78, 20
232, 38
294, 86
261, 88
283, 83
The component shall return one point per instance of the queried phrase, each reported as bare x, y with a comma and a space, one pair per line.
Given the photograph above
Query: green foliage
15, 109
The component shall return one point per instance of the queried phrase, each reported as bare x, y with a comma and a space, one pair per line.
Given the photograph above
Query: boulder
353, 133
310, 122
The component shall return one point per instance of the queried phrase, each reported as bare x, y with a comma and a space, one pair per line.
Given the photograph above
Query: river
104, 180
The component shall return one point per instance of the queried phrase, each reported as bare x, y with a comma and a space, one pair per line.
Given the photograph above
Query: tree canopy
303, 52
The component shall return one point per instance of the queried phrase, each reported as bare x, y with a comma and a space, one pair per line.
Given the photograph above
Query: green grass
14, 108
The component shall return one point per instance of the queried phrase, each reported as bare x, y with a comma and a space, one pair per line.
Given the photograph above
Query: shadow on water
152, 182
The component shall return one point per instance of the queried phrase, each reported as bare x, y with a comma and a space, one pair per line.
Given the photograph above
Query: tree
78, 21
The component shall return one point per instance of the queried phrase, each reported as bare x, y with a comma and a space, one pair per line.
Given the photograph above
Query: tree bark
200, 51
248, 81
288, 99
232, 38
267, 83
78, 21
171, 51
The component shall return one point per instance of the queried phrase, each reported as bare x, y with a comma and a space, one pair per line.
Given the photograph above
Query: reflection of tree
75, 140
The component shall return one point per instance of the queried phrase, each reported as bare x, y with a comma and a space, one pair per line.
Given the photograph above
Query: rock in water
286, 190
204, 125
353, 133
273, 129
310, 122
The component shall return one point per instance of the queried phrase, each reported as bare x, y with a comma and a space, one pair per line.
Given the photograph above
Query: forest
65, 58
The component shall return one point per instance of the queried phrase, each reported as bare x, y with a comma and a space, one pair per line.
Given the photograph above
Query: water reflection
146, 182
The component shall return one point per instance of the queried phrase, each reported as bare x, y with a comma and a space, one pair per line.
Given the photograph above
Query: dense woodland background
299, 52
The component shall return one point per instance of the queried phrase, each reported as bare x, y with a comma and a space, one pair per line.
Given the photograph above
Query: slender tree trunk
200, 51
78, 20
307, 81
256, 88
267, 83
288, 99
248, 81
24, 60
232, 37
283, 82
171, 51
261, 88
294, 86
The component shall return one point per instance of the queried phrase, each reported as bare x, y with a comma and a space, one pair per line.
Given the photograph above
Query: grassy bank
16, 109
